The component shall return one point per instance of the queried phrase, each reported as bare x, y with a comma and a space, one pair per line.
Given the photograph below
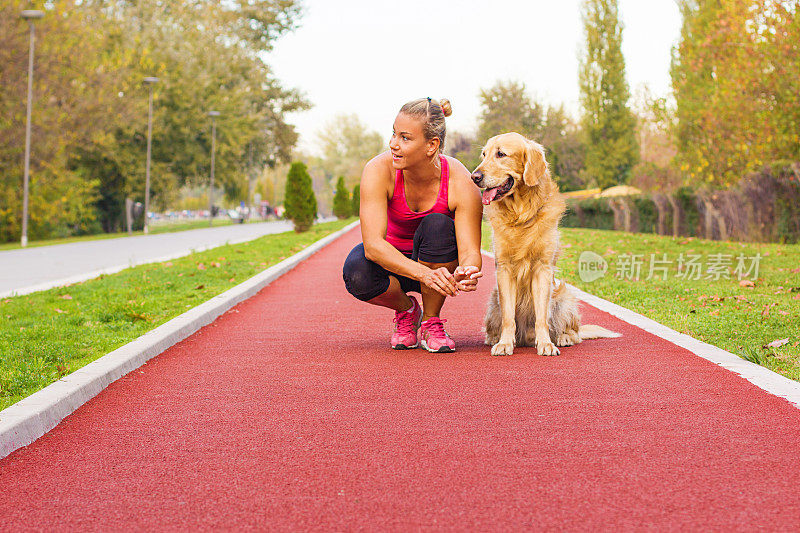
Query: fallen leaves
65, 297
746, 283
777, 343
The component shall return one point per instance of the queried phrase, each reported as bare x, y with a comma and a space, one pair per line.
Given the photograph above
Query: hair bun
447, 109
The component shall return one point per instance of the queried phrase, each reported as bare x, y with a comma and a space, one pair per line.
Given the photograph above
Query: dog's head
509, 162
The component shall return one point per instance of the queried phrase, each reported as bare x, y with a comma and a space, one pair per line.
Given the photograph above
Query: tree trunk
676, 215
661, 206
619, 220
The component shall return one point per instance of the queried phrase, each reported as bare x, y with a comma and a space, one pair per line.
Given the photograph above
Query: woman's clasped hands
463, 279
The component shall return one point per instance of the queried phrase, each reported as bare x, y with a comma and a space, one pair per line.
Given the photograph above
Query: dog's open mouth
495, 193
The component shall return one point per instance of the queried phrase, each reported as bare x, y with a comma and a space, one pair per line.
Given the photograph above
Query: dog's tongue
488, 195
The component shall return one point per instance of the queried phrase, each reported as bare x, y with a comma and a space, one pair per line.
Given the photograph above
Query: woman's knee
436, 224
435, 239
363, 278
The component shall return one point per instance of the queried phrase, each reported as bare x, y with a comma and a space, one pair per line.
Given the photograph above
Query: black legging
434, 242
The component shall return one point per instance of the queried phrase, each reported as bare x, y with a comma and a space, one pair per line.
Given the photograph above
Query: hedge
764, 207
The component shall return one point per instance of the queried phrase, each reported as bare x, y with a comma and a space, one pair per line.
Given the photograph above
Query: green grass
46, 335
165, 227
739, 319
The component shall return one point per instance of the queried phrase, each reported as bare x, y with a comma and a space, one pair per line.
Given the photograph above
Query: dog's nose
477, 177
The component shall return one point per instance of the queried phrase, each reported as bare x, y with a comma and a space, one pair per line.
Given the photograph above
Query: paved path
44, 267
291, 413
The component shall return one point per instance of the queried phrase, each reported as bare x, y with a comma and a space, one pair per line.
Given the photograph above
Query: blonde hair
431, 113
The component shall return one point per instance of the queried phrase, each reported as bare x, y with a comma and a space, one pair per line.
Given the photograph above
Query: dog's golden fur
528, 307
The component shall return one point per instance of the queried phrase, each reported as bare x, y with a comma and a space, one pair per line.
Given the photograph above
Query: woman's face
408, 144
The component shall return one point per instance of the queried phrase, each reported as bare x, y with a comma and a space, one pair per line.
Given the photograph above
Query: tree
299, 199
90, 119
346, 145
734, 76
355, 203
656, 171
463, 147
608, 123
341, 200
507, 107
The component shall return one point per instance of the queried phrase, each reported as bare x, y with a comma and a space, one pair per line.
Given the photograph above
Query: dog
529, 307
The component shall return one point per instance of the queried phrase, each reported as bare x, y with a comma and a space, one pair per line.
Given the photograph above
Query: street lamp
30, 15
150, 81
213, 115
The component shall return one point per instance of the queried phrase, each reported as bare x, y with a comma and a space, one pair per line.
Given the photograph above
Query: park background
703, 122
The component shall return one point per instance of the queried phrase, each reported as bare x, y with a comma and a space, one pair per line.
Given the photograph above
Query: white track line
759, 376
32, 417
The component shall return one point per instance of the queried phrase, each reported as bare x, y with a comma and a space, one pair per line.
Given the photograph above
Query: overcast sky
370, 56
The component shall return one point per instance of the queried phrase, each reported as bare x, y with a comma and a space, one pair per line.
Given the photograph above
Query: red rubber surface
291, 413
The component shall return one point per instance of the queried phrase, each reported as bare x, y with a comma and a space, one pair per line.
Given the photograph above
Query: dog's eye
500, 154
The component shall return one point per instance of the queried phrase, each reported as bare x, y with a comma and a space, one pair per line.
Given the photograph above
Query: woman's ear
433, 146
535, 164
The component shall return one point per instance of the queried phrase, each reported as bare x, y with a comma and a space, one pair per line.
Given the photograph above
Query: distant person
420, 226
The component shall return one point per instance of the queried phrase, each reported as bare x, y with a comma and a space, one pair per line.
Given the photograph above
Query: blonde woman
420, 226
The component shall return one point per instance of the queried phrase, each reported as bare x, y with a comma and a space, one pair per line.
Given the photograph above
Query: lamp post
213, 115
150, 81
30, 15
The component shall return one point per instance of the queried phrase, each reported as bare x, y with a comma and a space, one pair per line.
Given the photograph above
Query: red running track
291, 413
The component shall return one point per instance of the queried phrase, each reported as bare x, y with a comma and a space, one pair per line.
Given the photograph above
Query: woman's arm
374, 221
468, 208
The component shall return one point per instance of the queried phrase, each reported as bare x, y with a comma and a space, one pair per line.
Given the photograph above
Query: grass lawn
164, 227
48, 334
726, 312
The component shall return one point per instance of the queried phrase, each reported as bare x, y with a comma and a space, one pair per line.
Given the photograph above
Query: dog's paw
564, 340
491, 340
547, 348
503, 348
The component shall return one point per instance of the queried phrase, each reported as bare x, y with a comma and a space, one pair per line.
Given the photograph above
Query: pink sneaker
434, 338
405, 327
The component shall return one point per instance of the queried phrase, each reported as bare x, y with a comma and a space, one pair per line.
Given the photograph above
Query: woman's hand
440, 280
467, 278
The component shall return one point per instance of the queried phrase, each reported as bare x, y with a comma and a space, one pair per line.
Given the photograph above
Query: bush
356, 201
647, 214
341, 200
690, 225
589, 213
299, 200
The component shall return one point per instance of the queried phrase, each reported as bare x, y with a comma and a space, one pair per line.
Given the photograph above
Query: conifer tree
356, 201
609, 124
341, 200
299, 199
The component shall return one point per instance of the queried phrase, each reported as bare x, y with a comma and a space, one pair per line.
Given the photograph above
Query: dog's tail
592, 331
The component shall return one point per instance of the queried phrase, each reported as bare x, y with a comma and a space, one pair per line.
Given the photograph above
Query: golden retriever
528, 307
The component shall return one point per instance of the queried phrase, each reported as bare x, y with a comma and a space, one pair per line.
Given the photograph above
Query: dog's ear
535, 164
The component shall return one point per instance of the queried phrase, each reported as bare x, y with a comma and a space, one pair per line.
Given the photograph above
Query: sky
369, 57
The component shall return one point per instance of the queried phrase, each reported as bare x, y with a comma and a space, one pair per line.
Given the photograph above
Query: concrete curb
32, 417
761, 377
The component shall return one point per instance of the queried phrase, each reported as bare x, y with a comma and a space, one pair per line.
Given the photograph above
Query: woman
421, 227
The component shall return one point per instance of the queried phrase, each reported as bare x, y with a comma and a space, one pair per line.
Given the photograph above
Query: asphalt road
35, 269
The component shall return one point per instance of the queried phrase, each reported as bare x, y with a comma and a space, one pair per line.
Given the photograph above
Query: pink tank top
402, 221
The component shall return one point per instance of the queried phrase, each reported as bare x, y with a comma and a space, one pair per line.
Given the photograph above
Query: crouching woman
421, 229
